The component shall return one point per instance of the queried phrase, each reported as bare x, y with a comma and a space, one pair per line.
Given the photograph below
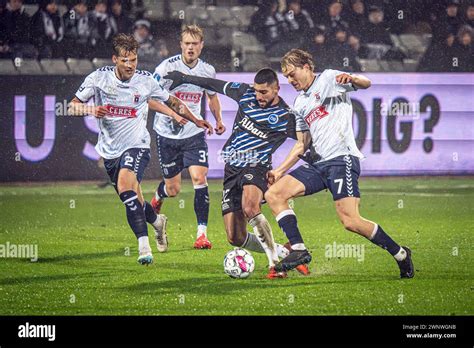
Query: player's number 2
128, 160
339, 182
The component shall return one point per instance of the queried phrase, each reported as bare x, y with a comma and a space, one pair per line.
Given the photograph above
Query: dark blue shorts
135, 159
340, 175
175, 155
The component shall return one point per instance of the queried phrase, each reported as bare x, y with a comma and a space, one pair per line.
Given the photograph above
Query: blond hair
194, 31
298, 58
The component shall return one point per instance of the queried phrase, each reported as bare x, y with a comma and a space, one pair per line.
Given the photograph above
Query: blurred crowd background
74, 36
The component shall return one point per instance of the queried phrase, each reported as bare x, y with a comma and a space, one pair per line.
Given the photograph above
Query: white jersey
127, 103
191, 95
325, 109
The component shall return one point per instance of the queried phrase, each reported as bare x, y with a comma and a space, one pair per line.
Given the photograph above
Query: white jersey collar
120, 81
310, 89
186, 65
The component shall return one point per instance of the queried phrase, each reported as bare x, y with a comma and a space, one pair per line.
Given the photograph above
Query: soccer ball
238, 263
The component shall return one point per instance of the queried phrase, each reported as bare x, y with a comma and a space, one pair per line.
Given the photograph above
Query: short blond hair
298, 58
192, 30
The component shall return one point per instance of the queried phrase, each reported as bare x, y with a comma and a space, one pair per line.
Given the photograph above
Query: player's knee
123, 186
273, 196
173, 190
350, 223
251, 210
199, 180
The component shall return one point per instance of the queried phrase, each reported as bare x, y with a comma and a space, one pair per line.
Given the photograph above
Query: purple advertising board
405, 124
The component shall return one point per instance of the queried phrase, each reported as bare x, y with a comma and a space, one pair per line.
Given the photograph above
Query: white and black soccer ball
238, 263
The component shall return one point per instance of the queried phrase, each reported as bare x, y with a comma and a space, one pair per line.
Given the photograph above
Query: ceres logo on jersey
120, 111
191, 97
316, 114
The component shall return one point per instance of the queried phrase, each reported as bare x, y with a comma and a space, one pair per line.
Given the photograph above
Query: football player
262, 123
184, 146
121, 97
323, 112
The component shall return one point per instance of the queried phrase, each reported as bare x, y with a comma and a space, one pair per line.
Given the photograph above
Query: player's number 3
202, 156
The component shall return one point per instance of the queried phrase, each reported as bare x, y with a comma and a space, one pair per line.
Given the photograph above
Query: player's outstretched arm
182, 110
303, 139
179, 78
78, 108
359, 81
216, 110
166, 110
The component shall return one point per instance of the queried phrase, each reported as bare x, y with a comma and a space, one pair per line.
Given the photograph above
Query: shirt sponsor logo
316, 114
191, 97
248, 125
121, 111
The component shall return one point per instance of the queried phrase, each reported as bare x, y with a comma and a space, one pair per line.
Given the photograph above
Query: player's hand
181, 120
99, 111
220, 128
205, 125
343, 78
177, 77
273, 176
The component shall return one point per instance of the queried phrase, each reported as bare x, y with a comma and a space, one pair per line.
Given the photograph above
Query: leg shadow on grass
79, 257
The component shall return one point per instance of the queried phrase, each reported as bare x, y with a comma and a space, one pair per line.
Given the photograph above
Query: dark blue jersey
257, 132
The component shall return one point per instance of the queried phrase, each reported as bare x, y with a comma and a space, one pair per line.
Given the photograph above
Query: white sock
401, 255
143, 244
282, 251
252, 243
202, 230
260, 224
298, 246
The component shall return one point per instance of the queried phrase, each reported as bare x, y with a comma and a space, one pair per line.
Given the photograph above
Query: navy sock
289, 225
161, 190
135, 214
150, 214
383, 240
201, 204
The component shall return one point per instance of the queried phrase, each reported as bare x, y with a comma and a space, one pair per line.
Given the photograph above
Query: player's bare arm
216, 110
359, 81
303, 139
166, 110
182, 110
78, 108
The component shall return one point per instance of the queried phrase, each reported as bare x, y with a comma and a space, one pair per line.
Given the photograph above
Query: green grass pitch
84, 268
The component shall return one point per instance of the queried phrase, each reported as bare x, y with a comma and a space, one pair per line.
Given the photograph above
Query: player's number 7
339, 182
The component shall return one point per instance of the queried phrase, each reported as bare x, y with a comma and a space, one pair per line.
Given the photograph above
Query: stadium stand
229, 32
